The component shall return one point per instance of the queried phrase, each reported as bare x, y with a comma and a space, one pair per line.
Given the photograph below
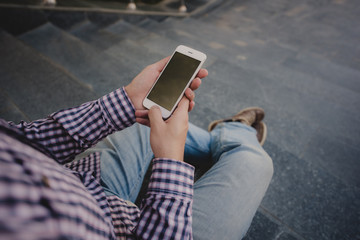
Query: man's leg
125, 158
227, 196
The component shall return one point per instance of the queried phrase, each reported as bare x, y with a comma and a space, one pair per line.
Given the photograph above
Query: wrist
172, 151
128, 92
131, 96
170, 155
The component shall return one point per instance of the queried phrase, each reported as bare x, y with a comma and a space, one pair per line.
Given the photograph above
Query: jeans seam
141, 176
197, 149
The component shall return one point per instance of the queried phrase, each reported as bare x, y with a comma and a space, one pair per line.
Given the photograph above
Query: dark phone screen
173, 80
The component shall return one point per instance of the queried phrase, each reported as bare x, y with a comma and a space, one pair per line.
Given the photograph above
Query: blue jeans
226, 197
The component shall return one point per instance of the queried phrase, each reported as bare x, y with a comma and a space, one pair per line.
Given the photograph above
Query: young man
45, 194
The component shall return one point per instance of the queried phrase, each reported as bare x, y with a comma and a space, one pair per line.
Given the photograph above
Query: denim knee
254, 159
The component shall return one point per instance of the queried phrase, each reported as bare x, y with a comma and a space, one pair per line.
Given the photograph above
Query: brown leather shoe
251, 116
261, 132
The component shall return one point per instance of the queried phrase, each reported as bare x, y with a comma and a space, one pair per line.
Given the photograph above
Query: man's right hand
167, 138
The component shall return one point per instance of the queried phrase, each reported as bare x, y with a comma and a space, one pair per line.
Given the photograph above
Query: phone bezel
188, 52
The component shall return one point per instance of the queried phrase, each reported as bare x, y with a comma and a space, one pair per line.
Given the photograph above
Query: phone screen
173, 80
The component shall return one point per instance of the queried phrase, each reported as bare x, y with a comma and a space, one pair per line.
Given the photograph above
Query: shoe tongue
246, 118
245, 121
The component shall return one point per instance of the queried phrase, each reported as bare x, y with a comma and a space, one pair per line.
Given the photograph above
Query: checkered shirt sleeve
66, 133
166, 212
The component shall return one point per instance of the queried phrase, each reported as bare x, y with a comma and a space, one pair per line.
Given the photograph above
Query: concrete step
95, 35
17, 20
299, 25
317, 66
148, 22
33, 85
165, 46
8, 109
307, 30
254, 88
266, 227
66, 20
304, 196
101, 72
263, 60
222, 43
196, 28
134, 52
314, 80
267, 59
122, 28
146, 37
250, 17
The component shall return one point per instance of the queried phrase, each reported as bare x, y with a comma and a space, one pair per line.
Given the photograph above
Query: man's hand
167, 138
142, 83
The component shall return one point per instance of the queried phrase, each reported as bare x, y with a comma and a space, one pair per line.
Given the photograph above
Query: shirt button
45, 181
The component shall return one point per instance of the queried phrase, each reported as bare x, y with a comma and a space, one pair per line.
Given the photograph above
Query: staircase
299, 61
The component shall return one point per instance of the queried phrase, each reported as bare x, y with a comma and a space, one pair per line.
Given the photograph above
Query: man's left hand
143, 82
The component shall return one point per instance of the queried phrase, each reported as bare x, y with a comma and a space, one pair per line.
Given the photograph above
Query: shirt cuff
118, 109
171, 177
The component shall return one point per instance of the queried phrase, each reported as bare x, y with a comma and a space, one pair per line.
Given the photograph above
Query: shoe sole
264, 135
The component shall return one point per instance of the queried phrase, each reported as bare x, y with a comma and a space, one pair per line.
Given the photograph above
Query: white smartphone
175, 78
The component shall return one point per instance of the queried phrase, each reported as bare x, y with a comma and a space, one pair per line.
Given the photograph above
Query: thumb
155, 115
161, 64
183, 107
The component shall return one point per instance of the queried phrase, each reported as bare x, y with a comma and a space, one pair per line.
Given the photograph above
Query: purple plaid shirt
43, 195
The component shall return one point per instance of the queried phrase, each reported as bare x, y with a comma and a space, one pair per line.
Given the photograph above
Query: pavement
299, 60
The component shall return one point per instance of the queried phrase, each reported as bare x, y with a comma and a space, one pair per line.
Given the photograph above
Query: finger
183, 107
155, 115
142, 114
195, 84
143, 121
191, 106
161, 64
184, 104
190, 94
202, 73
